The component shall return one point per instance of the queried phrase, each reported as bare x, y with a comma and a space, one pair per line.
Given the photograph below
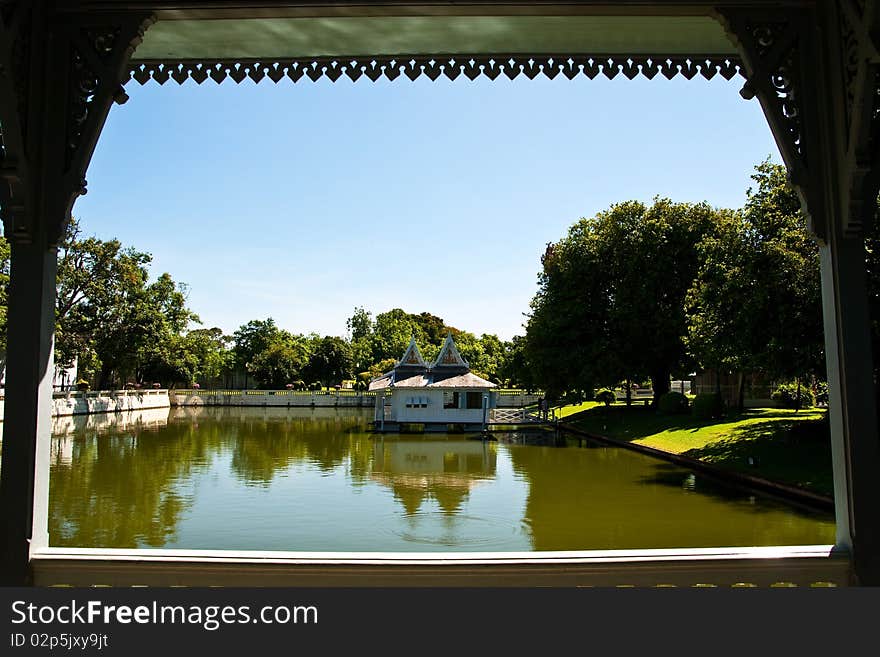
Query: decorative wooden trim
859, 29
99, 52
772, 48
15, 44
63, 76
452, 67
781, 50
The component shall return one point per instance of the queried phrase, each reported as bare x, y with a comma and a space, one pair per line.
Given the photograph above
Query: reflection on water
420, 470
148, 418
315, 480
622, 499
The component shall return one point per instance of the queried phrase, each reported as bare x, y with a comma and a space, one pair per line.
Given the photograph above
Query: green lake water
317, 480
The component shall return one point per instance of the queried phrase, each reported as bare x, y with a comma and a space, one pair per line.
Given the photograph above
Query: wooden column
834, 193
35, 205
59, 76
852, 412
813, 71
24, 473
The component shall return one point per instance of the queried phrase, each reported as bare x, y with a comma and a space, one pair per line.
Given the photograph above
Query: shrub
315, 386
605, 396
786, 396
672, 403
708, 405
299, 384
82, 384
821, 393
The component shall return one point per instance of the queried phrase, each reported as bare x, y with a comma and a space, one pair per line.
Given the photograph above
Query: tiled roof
418, 381
466, 380
382, 382
432, 380
450, 370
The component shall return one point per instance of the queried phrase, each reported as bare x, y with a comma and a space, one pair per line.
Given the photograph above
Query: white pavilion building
442, 396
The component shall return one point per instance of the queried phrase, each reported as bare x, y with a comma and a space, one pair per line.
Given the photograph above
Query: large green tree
97, 282
140, 339
376, 343
391, 334
755, 304
211, 352
515, 370
610, 305
360, 324
282, 361
251, 339
109, 318
331, 361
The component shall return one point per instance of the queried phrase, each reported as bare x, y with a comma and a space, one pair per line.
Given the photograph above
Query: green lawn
784, 445
573, 409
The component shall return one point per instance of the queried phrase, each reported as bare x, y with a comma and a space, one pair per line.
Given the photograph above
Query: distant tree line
121, 330
378, 342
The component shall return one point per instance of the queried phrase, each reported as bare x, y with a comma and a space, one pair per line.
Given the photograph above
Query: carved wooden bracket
15, 27
859, 26
774, 46
782, 51
63, 74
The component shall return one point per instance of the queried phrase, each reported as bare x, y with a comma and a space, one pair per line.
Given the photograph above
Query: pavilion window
474, 400
450, 400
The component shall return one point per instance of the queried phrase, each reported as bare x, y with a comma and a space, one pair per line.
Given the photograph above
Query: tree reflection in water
314, 479
116, 481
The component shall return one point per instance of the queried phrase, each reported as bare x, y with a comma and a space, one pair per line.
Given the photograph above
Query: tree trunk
741, 393
629, 394
660, 384
797, 399
104, 378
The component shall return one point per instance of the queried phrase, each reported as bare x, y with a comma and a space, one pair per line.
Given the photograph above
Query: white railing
92, 394
507, 415
641, 393
782, 566
291, 398
518, 416
206, 392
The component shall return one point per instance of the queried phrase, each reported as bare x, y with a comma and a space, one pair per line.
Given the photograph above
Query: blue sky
302, 201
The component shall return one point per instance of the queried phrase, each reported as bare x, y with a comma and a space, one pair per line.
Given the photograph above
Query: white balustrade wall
288, 398
104, 401
292, 398
119, 401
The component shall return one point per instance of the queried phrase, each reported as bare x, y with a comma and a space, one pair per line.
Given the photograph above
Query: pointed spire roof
412, 355
449, 355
